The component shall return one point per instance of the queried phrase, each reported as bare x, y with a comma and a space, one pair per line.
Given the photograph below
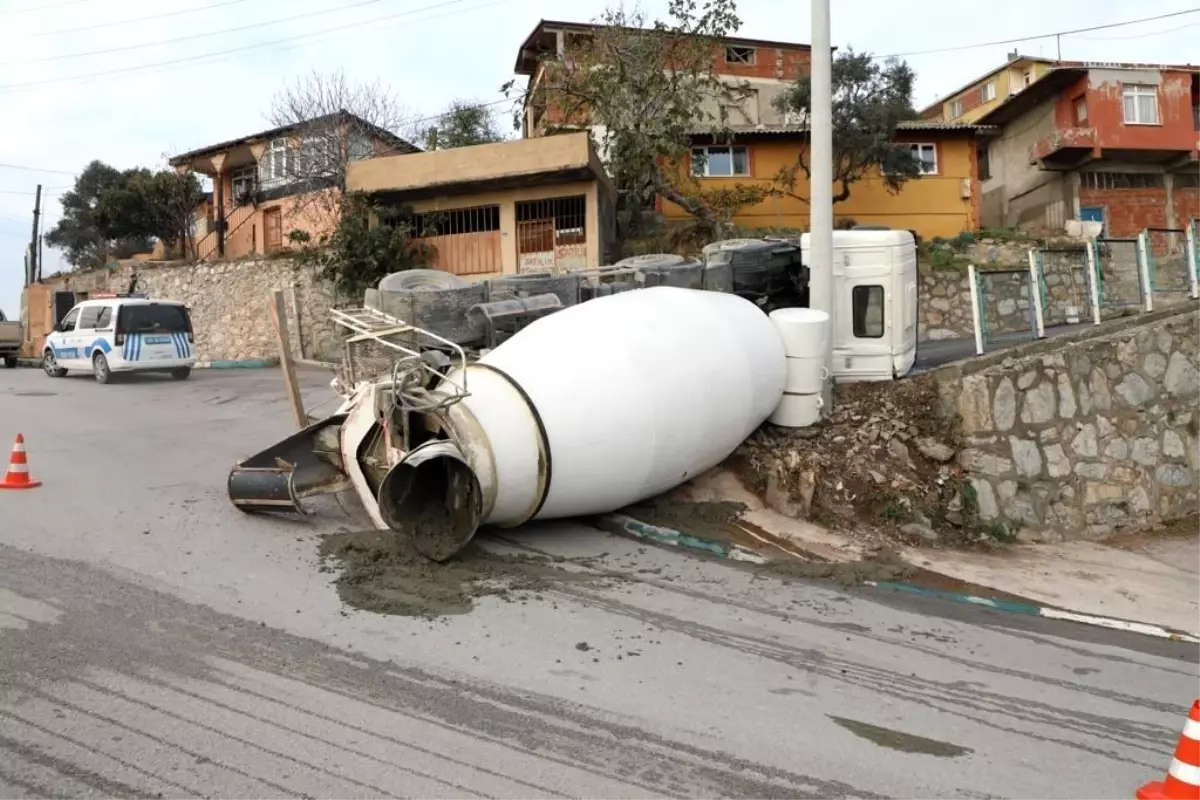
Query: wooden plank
279, 321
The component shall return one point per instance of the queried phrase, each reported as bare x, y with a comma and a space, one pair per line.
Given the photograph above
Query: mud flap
305, 464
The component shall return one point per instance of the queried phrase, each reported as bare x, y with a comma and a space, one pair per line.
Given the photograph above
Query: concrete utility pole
34, 265
820, 268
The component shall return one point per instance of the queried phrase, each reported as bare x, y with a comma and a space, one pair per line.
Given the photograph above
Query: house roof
1049, 85
800, 129
539, 41
1006, 65
283, 130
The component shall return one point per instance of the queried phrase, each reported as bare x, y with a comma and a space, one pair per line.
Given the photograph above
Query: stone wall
229, 304
1097, 433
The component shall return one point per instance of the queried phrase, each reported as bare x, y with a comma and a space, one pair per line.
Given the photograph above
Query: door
63, 303
272, 230
862, 347
85, 333
154, 332
65, 343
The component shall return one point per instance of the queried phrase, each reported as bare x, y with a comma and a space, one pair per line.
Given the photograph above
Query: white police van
122, 333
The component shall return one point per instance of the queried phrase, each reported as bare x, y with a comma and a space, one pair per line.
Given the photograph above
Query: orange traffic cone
1183, 776
17, 476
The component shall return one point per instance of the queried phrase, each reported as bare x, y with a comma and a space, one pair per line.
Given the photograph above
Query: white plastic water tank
805, 375
797, 411
598, 406
804, 331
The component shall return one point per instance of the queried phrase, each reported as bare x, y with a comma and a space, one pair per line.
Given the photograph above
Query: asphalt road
154, 641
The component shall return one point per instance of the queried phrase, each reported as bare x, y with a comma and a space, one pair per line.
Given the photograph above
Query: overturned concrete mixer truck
584, 411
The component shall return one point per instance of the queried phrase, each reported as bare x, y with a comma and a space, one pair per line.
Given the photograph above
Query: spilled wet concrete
898, 740
381, 571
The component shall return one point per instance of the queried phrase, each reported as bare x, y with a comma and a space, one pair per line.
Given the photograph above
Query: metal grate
552, 234
1065, 284
1120, 278
463, 241
1167, 259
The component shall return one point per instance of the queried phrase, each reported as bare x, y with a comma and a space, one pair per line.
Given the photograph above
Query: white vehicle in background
122, 333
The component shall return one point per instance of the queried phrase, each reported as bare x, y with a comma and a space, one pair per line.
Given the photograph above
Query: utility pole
820, 270
33, 238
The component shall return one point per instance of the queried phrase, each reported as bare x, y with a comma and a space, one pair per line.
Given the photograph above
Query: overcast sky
204, 70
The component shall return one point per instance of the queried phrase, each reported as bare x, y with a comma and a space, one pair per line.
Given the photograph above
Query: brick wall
1128, 211
1187, 205
777, 63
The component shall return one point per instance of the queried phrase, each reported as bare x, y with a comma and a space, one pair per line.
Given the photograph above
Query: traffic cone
1183, 776
17, 476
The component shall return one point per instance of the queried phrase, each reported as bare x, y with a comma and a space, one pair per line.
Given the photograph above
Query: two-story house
978, 97
762, 70
262, 184
1115, 143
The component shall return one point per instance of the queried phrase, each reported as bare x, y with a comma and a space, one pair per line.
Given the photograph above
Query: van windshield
156, 318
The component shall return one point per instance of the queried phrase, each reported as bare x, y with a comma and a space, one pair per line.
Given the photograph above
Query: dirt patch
381, 571
881, 469
898, 740
1183, 528
885, 565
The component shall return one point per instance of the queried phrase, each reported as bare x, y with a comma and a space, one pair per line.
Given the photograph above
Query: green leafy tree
870, 99
369, 242
461, 125
79, 233
645, 87
151, 204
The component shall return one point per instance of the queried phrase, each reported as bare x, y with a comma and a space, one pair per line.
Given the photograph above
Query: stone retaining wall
229, 304
1096, 433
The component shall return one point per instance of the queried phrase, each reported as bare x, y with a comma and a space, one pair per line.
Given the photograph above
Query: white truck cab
122, 333
875, 303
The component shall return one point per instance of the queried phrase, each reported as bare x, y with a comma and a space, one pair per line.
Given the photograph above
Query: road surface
156, 642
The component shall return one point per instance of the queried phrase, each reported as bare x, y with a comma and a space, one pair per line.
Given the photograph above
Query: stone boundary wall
229, 304
1081, 436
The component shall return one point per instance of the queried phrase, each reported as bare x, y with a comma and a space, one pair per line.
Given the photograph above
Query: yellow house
944, 201
971, 102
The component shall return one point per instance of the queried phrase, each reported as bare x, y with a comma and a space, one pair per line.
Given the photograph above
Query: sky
130, 82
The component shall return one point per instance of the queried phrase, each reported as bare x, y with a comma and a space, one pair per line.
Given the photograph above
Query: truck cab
875, 303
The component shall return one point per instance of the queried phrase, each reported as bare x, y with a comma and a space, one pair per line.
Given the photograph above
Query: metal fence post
1143, 261
973, 280
1193, 259
1093, 279
1035, 296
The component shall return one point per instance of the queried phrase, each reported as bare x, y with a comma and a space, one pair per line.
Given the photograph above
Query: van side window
867, 311
88, 317
68, 322
105, 320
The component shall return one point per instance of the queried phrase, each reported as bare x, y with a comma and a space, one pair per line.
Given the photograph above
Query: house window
1141, 104
1121, 180
739, 55
244, 184
720, 162
926, 157
1080, 110
1027, 78
981, 157
866, 311
956, 108
277, 166
988, 93
359, 147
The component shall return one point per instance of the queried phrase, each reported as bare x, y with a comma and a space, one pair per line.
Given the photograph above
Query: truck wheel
51, 366
10, 362
100, 368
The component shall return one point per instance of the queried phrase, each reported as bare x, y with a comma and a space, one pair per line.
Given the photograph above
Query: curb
620, 523
249, 363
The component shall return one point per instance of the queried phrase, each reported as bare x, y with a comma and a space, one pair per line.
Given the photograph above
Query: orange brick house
258, 195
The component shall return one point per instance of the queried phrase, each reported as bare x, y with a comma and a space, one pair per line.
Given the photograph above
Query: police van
122, 333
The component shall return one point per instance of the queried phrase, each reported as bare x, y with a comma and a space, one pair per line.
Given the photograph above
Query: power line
1042, 35
131, 20
36, 169
1138, 35
192, 36
42, 8
233, 50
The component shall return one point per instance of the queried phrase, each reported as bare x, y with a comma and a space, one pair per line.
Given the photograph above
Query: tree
334, 122
870, 100
647, 87
369, 242
80, 233
461, 125
151, 204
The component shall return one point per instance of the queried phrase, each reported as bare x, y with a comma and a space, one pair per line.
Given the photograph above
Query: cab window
867, 311
68, 322
88, 317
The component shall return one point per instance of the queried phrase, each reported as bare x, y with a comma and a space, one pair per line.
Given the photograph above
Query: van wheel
182, 373
51, 366
100, 368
